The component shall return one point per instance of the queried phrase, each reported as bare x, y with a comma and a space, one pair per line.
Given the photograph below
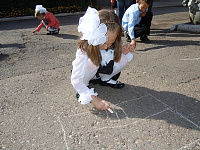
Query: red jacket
52, 21
112, 1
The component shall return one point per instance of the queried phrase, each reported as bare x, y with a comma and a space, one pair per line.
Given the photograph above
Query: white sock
112, 81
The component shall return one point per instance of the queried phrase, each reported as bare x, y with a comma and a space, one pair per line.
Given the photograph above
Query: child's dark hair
37, 13
146, 1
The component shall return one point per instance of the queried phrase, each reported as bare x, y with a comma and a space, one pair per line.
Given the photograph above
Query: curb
68, 14
186, 28
32, 17
177, 5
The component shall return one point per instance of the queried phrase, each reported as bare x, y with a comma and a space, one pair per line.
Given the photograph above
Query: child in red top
48, 20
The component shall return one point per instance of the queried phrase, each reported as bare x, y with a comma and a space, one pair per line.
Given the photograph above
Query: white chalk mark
185, 118
161, 101
116, 115
110, 110
191, 59
124, 113
188, 145
176, 112
132, 99
109, 127
107, 114
64, 133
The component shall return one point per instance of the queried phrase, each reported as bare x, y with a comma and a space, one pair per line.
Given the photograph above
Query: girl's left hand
127, 48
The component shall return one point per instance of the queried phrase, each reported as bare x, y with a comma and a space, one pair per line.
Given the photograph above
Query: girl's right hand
100, 104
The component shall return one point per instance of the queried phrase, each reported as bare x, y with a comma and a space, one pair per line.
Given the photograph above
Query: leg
150, 7
146, 21
139, 30
110, 80
128, 3
116, 77
53, 30
120, 9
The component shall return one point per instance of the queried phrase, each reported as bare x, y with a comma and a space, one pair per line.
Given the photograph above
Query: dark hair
149, 2
110, 19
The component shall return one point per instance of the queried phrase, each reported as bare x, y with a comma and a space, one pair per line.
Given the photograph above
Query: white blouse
84, 70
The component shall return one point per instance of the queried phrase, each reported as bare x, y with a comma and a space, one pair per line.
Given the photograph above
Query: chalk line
124, 113
185, 118
132, 99
191, 59
73, 115
116, 115
188, 145
176, 112
64, 134
107, 114
133, 123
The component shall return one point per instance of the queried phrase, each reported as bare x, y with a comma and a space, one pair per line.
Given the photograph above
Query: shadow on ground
159, 44
66, 36
3, 57
140, 102
33, 23
73, 20
13, 45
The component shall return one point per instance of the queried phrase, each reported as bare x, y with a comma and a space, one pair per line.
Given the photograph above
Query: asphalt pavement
158, 109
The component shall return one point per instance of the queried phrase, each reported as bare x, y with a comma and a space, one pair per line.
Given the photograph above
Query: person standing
122, 6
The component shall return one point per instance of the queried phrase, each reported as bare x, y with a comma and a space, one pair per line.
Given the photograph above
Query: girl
48, 20
100, 55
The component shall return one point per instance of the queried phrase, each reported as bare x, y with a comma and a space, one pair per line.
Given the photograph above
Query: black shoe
56, 32
144, 39
118, 84
49, 33
77, 96
128, 39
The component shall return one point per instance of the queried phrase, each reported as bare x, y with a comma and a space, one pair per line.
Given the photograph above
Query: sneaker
49, 33
144, 39
56, 32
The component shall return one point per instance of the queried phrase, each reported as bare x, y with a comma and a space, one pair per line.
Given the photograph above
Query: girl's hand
133, 44
126, 49
100, 104
34, 31
129, 47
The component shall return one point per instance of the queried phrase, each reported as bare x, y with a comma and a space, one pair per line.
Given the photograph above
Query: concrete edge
69, 14
32, 17
178, 5
186, 28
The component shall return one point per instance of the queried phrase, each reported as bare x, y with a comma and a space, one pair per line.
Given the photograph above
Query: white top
131, 18
84, 70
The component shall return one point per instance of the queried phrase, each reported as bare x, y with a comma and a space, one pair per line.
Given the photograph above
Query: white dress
84, 71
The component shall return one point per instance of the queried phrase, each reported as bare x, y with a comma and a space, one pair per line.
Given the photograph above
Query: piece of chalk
110, 110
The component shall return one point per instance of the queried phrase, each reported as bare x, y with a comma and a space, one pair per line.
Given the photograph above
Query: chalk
110, 110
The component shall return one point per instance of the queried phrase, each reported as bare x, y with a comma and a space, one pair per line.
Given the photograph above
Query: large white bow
40, 8
92, 30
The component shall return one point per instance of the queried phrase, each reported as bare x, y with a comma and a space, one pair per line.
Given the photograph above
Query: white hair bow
92, 30
40, 8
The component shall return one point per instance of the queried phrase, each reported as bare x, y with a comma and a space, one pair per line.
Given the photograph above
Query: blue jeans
122, 6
